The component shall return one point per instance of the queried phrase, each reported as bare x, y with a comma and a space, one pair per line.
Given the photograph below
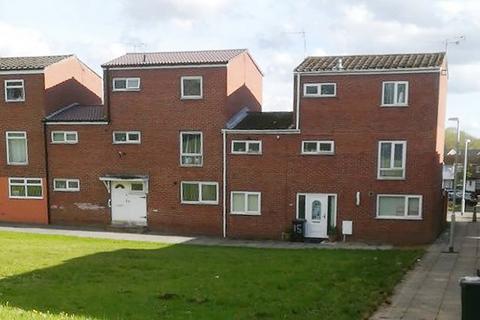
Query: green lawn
58, 277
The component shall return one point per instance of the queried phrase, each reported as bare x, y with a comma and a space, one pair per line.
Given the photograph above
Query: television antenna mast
303, 34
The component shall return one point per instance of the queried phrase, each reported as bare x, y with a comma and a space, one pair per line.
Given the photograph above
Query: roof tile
30, 63
266, 121
76, 112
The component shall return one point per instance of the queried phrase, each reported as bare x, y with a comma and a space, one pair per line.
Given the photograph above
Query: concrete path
431, 291
167, 239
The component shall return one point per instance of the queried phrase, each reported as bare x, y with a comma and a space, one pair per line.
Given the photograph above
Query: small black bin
470, 298
298, 229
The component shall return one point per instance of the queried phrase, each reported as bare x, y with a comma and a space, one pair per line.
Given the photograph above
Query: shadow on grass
187, 282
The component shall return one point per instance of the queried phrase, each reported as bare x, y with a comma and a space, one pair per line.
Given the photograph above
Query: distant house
473, 173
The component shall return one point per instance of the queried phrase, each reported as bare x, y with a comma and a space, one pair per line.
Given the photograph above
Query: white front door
316, 213
129, 203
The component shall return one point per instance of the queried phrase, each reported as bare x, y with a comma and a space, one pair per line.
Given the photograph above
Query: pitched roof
175, 58
77, 113
30, 63
374, 62
266, 121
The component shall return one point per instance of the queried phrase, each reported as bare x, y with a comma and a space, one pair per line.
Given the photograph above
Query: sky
98, 31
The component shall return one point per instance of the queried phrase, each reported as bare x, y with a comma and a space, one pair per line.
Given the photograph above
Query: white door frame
311, 195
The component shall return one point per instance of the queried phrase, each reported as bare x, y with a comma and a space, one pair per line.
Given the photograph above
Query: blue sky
98, 31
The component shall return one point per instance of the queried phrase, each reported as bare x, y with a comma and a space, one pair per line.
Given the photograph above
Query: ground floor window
66, 185
25, 188
245, 202
193, 192
399, 206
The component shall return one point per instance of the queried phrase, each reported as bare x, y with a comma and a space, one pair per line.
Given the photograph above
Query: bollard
452, 229
474, 216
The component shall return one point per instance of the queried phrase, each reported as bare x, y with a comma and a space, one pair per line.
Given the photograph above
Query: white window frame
65, 141
247, 146
191, 154
319, 90
395, 102
200, 184
127, 88
183, 96
127, 141
67, 187
405, 216
392, 155
25, 184
318, 152
15, 87
8, 151
246, 212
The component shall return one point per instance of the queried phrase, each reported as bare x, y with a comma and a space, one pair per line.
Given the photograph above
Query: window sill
18, 164
317, 154
200, 203
126, 143
391, 178
191, 165
125, 90
192, 98
399, 218
60, 190
25, 198
245, 154
53, 142
317, 96
394, 105
14, 101
246, 214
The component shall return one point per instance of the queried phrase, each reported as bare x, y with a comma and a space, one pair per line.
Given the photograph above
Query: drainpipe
297, 101
47, 176
224, 217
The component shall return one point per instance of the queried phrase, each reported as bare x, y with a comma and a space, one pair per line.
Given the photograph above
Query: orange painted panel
22, 210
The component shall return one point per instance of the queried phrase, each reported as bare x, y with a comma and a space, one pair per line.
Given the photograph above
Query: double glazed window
319, 89
191, 87
399, 206
126, 84
14, 91
245, 202
126, 137
199, 192
17, 148
391, 159
66, 185
318, 147
395, 93
68, 137
25, 188
191, 149
246, 147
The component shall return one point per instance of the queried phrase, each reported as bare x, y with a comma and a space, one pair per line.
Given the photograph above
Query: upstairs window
391, 159
247, 147
126, 137
66, 137
191, 149
17, 148
192, 87
14, 91
395, 93
318, 147
320, 89
25, 188
126, 84
68, 185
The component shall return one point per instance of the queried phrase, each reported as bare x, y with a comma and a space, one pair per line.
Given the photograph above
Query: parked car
470, 197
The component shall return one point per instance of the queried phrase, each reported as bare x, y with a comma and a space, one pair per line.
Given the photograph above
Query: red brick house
180, 145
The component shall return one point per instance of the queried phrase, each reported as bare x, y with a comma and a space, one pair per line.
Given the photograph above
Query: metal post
452, 230
474, 216
465, 175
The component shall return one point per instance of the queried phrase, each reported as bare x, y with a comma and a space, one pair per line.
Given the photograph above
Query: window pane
133, 83
391, 173
385, 154
253, 203
73, 184
14, 94
325, 147
401, 92
311, 89
391, 206
120, 84
190, 191
209, 192
309, 147
192, 160
137, 186
398, 155
33, 181
71, 136
134, 137
14, 84
413, 207
301, 207
58, 136
239, 146
388, 93
17, 150
16, 135
191, 87
191, 143
327, 89
60, 184
238, 202
34, 191
17, 191
120, 136
254, 147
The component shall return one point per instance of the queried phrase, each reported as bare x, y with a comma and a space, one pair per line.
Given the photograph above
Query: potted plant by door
332, 234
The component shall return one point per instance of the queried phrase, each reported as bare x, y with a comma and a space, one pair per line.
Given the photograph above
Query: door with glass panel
129, 203
316, 215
